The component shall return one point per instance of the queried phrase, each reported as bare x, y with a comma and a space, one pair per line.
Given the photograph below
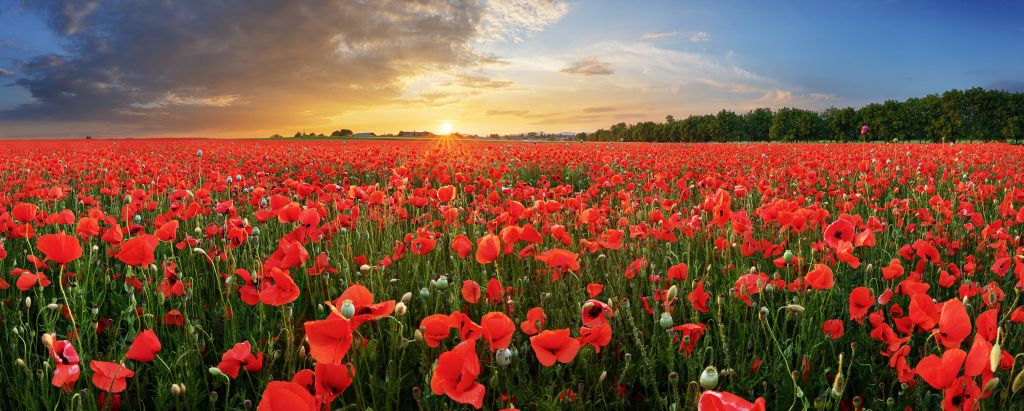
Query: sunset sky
251, 68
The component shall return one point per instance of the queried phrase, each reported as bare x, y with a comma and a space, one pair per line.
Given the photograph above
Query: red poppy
25, 212
488, 248
497, 330
435, 328
240, 355
174, 318
109, 376
455, 375
278, 288
138, 251
168, 231
594, 289
699, 298
678, 272
860, 301
833, 329
820, 278
287, 396
462, 246
839, 231
67, 369
596, 337
535, 319
365, 309
689, 335
595, 313
329, 339
940, 372
954, 324
145, 347
87, 227
470, 291
893, 270
635, 267
559, 260
726, 401
445, 194
27, 279
554, 345
60, 248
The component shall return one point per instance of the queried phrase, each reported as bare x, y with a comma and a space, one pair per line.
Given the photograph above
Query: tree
341, 133
843, 123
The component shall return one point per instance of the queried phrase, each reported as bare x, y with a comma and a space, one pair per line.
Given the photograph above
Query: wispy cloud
588, 67
699, 37
652, 35
602, 109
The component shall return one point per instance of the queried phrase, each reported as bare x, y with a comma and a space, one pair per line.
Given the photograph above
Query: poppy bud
364, 268
49, 339
400, 309
709, 378
214, 395
665, 321
175, 390
795, 308
604, 375
762, 314
216, 372
417, 393
418, 335
994, 356
52, 307
21, 363
990, 385
673, 291
28, 302
820, 403
407, 297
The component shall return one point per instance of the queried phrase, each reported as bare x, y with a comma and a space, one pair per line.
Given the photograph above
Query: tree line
973, 114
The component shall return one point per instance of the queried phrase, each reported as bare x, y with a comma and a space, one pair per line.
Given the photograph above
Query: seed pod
665, 321
709, 378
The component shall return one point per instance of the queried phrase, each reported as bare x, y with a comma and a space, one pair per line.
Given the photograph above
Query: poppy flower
596, 337
470, 291
635, 267
455, 375
145, 347
87, 227
497, 330
286, 396
595, 313
689, 335
488, 248
820, 278
445, 194
554, 345
329, 339
240, 355
594, 289
940, 372
174, 318
494, 291
109, 376
699, 298
332, 380
27, 279
25, 212
839, 231
67, 369
860, 301
954, 324
833, 329
559, 260
138, 251
435, 328
893, 270
365, 309
278, 288
726, 401
678, 272
535, 319
60, 248
462, 246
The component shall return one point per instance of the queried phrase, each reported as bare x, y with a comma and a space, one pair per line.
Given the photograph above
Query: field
292, 275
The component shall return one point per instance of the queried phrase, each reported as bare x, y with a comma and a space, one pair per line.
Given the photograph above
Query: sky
254, 68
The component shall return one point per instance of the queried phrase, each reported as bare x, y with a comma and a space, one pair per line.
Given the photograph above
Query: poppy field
304, 275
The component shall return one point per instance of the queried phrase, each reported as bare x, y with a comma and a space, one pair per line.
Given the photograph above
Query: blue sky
195, 68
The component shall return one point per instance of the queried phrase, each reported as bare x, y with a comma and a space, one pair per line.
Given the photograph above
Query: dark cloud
589, 67
226, 64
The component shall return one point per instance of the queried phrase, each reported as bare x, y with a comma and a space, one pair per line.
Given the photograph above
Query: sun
446, 127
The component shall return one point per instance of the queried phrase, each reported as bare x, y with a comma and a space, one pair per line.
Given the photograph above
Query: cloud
516, 113
233, 66
6, 72
699, 37
652, 35
604, 109
588, 67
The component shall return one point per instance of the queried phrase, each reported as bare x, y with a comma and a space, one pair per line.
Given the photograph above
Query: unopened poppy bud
214, 396
175, 390
364, 268
709, 378
407, 297
401, 309
28, 302
604, 375
494, 380
820, 403
348, 309
418, 335
990, 385
762, 314
673, 291
665, 321
994, 356
52, 307
21, 363
795, 308
49, 339
1018, 382
216, 372
95, 248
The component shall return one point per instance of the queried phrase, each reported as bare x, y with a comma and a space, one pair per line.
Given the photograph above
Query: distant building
415, 134
364, 135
